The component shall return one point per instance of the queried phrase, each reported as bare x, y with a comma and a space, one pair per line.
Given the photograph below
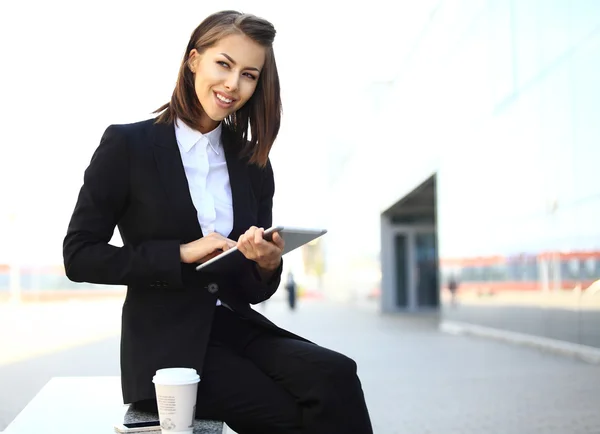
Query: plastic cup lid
176, 376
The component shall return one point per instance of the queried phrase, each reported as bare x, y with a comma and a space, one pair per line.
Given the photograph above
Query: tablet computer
294, 237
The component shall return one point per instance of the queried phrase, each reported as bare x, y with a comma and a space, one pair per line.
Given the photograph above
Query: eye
223, 64
250, 76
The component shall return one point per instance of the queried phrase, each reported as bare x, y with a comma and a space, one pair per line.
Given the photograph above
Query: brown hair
262, 112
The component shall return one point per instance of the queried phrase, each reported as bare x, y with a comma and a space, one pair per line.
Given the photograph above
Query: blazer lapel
244, 204
174, 181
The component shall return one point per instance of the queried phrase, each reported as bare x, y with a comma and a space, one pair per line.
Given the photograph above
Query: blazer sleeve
255, 289
102, 202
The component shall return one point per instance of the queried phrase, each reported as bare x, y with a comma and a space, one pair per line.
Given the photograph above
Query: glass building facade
483, 198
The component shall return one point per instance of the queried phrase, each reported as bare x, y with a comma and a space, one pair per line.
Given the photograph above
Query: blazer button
213, 288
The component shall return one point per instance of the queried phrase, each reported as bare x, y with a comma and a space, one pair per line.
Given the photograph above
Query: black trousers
261, 383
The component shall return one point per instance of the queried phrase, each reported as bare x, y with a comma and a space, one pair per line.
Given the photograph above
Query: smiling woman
223, 81
229, 74
181, 188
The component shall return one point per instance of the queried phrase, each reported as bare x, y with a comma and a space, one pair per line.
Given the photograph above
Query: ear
193, 60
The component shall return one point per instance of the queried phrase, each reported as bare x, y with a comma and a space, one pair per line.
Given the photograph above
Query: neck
206, 124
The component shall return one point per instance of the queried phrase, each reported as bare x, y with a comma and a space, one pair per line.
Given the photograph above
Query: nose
232, 82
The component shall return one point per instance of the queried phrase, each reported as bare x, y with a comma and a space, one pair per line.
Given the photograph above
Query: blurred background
450, 147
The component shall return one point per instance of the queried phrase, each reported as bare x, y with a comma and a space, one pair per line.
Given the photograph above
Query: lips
223, 100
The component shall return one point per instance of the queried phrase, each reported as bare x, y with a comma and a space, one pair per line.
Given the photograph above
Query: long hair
255, 126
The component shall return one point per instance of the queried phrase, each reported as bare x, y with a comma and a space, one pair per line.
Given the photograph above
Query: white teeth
222, 98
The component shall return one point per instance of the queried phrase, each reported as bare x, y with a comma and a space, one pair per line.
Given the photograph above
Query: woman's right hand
205, 248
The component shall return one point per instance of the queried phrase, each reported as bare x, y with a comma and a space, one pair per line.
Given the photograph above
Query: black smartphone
138, 427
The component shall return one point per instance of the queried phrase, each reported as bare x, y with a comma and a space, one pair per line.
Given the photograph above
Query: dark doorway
411, 225
400, 248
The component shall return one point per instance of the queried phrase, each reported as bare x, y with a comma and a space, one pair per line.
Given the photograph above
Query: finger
240, 243
278, 240
269, 250
259, 236
209, 256
248, 234
245, 246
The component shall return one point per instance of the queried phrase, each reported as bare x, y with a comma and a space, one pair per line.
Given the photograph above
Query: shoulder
132, 129
136, 136
242, 151
261, 174
262, 178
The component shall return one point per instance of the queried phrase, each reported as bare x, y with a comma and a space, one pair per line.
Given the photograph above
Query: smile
223, 100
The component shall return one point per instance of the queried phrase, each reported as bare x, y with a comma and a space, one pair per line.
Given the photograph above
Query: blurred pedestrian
452, 287
290, 286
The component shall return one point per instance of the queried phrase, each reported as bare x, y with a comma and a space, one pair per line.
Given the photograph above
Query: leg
234, 390
323, 382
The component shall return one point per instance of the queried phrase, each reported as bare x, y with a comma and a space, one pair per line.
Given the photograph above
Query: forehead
243, 50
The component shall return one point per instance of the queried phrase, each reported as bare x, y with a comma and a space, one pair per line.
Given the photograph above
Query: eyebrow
234, 62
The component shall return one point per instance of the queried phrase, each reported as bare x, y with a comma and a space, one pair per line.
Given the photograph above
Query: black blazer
136, 181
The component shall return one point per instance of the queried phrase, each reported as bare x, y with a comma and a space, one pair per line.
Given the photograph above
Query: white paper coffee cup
176, 391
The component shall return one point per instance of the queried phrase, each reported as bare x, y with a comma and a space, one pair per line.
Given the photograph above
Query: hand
204, 248
267, 254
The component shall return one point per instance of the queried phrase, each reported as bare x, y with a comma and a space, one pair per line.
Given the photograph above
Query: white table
80, 405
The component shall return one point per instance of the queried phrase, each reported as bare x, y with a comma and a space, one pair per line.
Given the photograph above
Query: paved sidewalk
34, 329
416, 379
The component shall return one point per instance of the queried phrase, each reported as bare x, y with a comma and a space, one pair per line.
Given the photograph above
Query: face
225, 76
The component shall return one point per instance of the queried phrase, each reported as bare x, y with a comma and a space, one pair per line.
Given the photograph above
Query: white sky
69, 69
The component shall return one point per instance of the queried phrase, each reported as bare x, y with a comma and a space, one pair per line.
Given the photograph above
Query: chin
217, 118
218, 114
215, 115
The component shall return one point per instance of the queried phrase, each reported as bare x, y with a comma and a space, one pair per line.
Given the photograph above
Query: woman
181, 188
290, 286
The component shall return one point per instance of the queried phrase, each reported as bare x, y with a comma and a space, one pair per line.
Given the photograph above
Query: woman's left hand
267, 254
